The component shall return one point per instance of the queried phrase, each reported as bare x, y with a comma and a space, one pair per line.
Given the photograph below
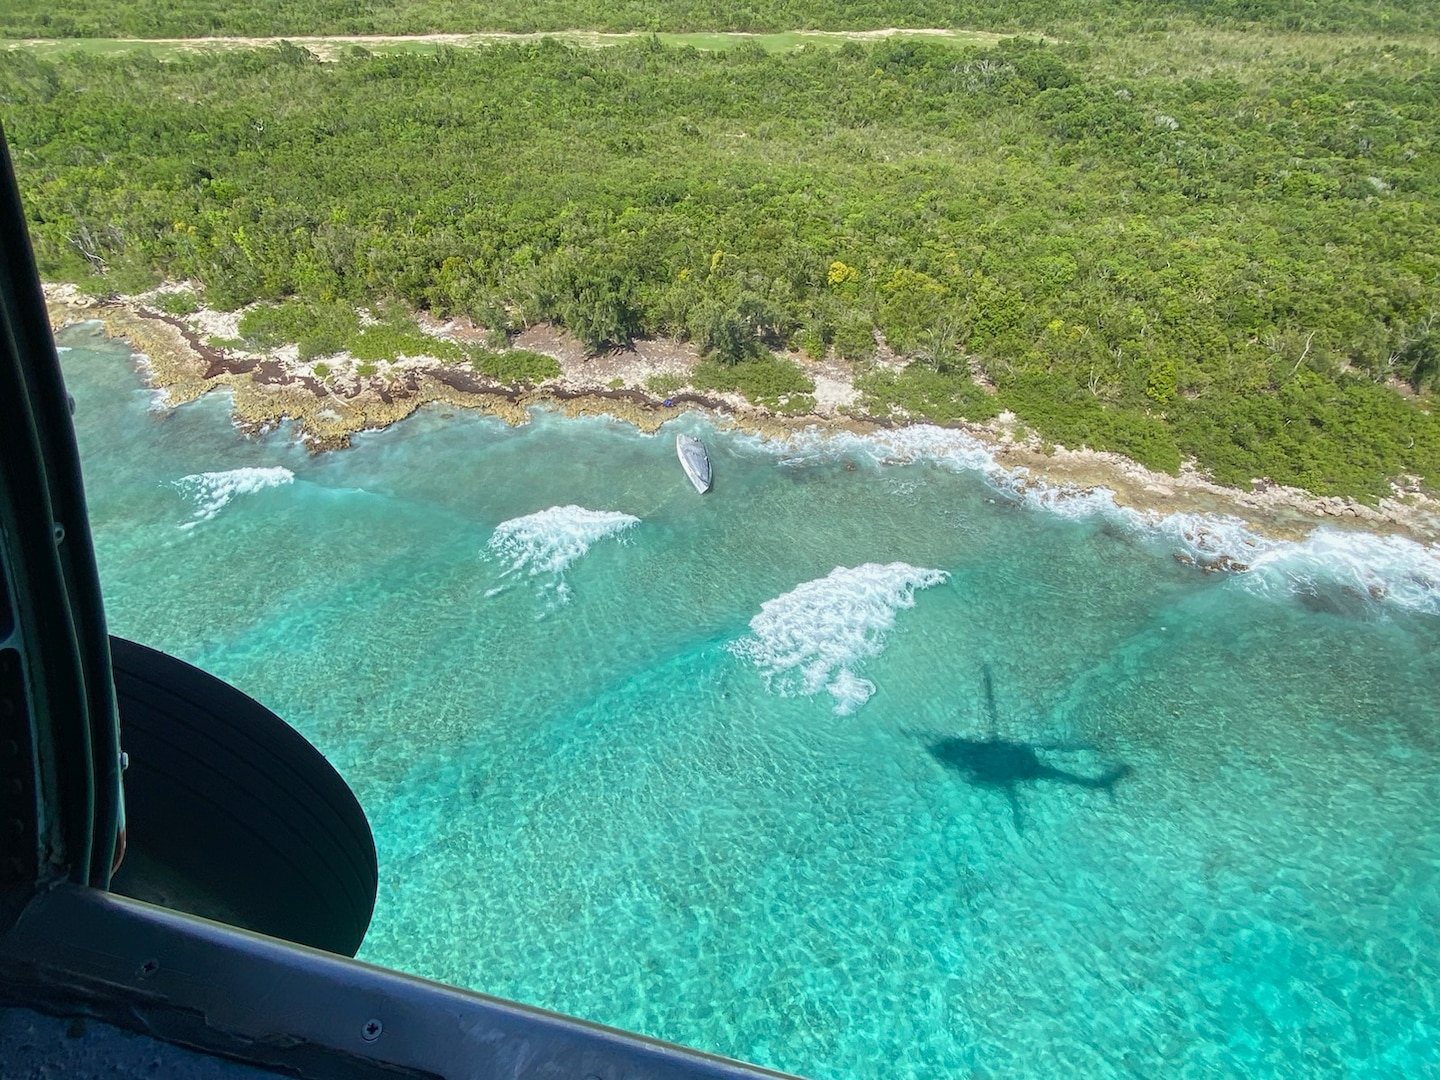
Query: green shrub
724, 333
664, 382
177, 302
941, 398
513, 366
327, 328
796, 405
318, 329
397, 337
1069, 414
812, 343
855, 338
1348, 438
771, 382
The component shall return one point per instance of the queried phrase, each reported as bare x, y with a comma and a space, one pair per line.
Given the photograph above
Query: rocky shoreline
329, 405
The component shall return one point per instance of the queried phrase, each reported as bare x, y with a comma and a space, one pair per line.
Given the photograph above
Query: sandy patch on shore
834, 388
329, 400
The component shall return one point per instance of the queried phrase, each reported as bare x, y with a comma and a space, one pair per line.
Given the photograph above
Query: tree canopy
1222, 255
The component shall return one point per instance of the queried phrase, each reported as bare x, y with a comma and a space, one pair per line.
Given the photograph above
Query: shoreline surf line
274, 385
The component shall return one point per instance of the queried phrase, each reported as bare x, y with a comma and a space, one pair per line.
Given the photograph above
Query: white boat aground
694, 460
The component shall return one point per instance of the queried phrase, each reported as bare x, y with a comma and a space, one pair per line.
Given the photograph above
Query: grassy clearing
331, 48
1246, 57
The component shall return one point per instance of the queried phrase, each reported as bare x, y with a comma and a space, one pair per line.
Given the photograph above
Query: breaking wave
1330, 569
1338, 571
211, 492
550, 541
813, 637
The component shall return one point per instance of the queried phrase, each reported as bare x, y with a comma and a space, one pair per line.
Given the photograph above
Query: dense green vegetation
1220, 247
194, 18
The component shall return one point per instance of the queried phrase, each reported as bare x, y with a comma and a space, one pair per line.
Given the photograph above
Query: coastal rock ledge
183, 357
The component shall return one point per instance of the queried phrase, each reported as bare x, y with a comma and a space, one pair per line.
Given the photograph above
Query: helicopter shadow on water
1005, 765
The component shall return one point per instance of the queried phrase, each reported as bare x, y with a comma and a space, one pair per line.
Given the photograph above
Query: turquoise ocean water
710, 768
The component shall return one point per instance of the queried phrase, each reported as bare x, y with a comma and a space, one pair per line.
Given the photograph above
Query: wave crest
813, 637
550, 541
1331, 569
212, 491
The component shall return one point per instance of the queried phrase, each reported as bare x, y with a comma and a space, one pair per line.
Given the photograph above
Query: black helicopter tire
231, 814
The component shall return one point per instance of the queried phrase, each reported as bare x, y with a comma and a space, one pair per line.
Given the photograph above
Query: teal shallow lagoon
665, 761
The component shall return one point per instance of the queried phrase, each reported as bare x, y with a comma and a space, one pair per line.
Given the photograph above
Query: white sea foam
1330, 568
849, 691
1340, 568
548, 542
813, 637
212, 491
922, 442
1360, 567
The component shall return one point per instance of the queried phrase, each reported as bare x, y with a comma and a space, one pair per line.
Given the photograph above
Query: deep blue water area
867, 764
